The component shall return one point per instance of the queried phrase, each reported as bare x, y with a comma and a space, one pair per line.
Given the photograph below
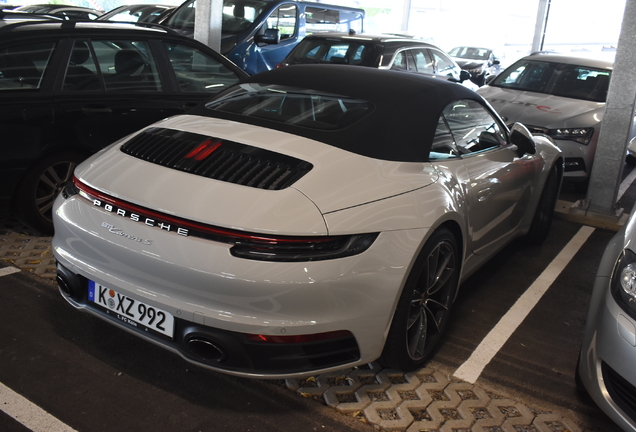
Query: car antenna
352, 32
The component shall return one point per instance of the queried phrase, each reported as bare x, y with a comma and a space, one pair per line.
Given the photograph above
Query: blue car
258, 34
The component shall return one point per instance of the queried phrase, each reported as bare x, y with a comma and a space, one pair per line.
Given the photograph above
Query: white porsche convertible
308, 219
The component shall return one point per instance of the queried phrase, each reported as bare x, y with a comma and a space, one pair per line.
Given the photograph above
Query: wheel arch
456, 230
451, 227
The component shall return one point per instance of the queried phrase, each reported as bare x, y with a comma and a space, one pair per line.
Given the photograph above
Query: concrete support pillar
406, 12
617, 122
207, 23
540, 25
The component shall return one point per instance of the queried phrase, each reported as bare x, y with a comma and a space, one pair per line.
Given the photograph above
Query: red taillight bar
230, 235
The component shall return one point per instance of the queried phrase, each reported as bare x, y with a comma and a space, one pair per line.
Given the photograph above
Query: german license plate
131, 311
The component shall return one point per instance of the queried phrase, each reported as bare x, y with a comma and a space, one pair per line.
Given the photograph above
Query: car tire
540, 227
424, 306
39, 188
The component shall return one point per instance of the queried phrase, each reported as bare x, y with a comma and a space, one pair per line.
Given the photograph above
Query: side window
399, 63
312, 52
81, 73
22, 67
404, 61
127, 65
337, 53
357, 53
444, 65
423, 61
196, 71
322, 19
284, 19
473, 127
444, 146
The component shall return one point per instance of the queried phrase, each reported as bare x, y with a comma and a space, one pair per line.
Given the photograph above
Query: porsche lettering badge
135, 217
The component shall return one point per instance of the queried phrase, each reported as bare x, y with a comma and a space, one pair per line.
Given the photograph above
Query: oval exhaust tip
206, 349
63, 285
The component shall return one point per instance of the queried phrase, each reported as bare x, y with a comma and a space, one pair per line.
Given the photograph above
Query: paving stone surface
427, 400
26, 248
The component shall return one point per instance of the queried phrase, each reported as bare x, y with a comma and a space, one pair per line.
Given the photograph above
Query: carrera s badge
117, 231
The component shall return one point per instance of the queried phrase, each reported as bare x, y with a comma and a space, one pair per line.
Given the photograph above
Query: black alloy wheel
424, 306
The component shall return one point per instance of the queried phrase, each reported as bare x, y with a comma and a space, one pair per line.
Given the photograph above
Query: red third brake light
203, 150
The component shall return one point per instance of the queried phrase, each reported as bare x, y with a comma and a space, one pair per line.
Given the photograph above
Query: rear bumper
221, 298
232, 352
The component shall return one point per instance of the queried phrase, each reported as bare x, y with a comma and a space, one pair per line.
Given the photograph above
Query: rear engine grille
217, 159
621, 391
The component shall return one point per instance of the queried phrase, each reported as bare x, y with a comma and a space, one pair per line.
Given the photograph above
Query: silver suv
559, 96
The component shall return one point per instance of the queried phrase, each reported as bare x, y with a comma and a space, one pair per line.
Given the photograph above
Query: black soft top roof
402, 124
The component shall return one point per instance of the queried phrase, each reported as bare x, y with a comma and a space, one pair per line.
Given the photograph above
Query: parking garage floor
431, 399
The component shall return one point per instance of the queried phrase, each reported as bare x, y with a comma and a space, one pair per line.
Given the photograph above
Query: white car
308, 219
560, 96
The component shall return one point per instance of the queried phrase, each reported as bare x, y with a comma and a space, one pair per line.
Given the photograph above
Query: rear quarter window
22, 67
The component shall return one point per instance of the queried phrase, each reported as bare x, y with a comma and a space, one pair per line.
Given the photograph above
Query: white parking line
30, 415
9, 270
492, 343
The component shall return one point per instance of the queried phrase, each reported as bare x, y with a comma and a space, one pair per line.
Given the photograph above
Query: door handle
483, 194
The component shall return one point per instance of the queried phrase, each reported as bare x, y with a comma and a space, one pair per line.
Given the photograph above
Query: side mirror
496, 62
522, 138
271, 37
464, 75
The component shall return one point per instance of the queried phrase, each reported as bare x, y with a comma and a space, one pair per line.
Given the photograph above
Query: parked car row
377, 51
93, 84
147, 239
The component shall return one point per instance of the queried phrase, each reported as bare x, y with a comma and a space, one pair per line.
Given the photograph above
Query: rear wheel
424, 306
545, 209
39, 188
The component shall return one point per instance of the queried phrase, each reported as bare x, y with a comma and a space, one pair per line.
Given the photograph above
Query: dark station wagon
68, 89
